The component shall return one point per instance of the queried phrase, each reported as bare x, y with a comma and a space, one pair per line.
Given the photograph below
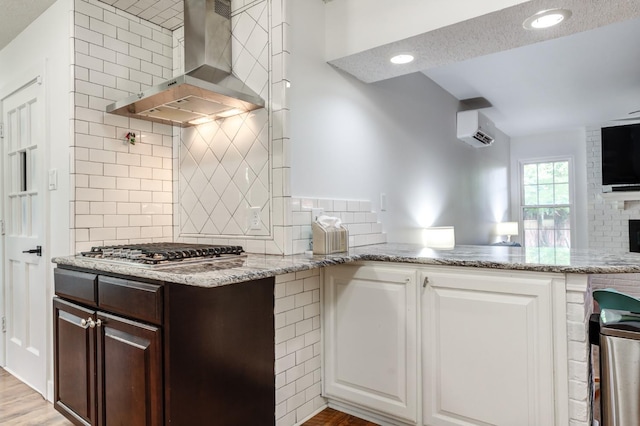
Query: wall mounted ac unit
475, 128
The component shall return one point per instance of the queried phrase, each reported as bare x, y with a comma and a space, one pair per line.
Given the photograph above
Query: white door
370, 329
24, 272
487, 348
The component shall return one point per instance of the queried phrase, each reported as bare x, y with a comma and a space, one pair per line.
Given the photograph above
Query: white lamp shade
507, 228
441, 237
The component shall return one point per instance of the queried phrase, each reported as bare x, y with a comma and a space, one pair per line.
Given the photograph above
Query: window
546, 210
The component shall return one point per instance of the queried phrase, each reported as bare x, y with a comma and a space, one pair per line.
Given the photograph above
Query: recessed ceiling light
546, 19
403, 58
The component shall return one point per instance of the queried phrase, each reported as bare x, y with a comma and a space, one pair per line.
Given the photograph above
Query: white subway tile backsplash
88, 194
116, 45
88, 221
81, 20
116, 221
126, 36
141, 196
101, 27
105, 182
88, 88
141, 77
101, 78
128, 85
128, 61
115, 20
140, 172
88, 36
100, 52
152, 185
127, 233
123, 183
96, 234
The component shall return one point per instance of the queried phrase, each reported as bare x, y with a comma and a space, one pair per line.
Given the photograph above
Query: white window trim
572, 182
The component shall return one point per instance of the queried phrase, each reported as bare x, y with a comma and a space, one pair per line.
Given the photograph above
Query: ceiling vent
475, 129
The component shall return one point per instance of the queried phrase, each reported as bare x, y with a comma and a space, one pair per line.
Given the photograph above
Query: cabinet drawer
134, 299
74, 285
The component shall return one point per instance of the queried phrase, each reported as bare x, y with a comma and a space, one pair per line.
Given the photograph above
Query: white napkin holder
329, 235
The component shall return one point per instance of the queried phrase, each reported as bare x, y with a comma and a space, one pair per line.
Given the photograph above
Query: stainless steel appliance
619, 368
164, 254
208, 90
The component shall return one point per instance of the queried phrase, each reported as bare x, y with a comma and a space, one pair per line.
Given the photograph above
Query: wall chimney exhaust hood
207, 91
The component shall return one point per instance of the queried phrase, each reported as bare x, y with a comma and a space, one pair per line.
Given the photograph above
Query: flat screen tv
621, 155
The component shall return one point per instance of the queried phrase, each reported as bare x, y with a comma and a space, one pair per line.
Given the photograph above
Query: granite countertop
256, 266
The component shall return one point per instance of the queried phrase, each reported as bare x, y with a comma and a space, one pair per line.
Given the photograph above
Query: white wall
356, 25
354, 141
565, 144
44, 45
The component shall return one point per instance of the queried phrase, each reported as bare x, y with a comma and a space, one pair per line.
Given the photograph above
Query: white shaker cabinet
487, 347
371, 339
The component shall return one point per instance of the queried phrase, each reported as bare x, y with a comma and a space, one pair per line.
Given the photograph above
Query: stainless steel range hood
207, 90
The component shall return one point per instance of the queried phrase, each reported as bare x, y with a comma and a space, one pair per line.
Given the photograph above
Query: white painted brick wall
297, 349
579, 308
607, 224
626, 283
120, 193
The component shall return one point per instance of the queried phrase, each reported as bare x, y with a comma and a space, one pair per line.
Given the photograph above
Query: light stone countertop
256, 266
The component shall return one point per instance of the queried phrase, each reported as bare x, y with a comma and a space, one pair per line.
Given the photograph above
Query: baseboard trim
365, 414
50, 391
312, 415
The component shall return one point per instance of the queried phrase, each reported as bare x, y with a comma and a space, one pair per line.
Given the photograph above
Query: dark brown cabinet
107, 369
129, 371
74, 363
128, 352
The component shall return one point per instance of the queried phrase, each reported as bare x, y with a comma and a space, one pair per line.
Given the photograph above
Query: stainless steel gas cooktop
164, 254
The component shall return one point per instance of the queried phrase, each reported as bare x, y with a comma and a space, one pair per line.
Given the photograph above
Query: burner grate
162, 253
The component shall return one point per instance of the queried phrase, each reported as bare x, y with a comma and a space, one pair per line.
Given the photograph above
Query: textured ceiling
584, 79
166, 13
495, 32
16, 15
582, 72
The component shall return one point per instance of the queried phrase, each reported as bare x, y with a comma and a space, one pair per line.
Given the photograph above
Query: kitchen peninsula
447, 311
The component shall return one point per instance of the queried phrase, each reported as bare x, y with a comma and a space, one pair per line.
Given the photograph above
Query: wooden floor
331, 417
21, 405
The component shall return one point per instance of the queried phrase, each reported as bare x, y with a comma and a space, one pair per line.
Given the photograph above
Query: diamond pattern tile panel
224, 165
226, 182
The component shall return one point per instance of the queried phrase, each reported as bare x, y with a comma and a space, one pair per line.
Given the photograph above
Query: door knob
37, 251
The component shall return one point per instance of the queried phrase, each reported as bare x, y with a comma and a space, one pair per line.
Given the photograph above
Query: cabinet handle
425, 282
89, 322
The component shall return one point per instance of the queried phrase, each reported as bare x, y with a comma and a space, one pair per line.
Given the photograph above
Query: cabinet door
74, 362
129, 373
487, 348
371, 338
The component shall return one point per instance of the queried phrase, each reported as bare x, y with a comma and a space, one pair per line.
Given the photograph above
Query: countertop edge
258, 266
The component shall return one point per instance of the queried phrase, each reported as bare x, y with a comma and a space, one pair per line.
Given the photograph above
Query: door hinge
1, 130
1, 227
4, 324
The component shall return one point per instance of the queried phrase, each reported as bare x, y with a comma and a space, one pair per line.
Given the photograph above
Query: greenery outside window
546, 210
